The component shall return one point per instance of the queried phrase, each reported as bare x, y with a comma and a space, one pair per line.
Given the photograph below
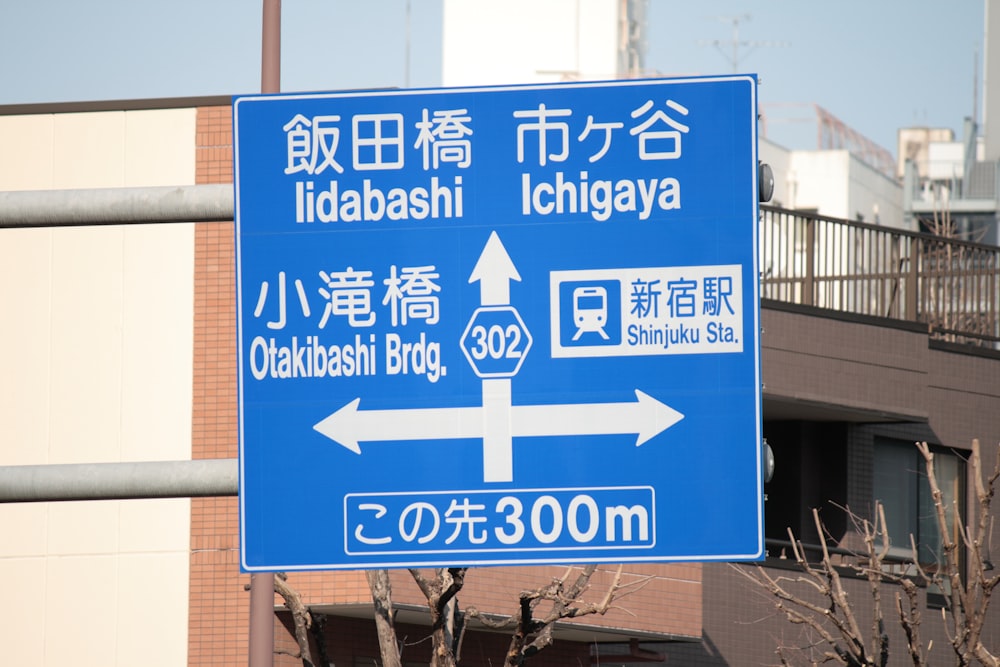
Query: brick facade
826, 377
219, 606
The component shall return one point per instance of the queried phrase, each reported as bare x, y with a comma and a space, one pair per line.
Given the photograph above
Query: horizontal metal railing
951, 285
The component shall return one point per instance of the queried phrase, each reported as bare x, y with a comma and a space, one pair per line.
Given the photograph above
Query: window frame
921, 514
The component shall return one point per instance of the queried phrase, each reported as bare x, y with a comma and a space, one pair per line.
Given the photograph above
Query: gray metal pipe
119, 481
116, 206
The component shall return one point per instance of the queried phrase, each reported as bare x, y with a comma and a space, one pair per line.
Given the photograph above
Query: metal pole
261, 619
261, 651
118, 481
809, 286
913, 282
116, 206
270, 48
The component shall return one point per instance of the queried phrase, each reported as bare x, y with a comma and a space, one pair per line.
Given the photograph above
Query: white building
952, 186
833, 183
525, 41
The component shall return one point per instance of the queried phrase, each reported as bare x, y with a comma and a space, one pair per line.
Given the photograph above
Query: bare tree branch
969, 596
832, 620
441, 592
300, 616
562, 599
381, 588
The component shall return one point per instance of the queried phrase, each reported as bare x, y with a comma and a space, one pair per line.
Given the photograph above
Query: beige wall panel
84, 527
81, 600
98, 368
155, 525
152, 619
22, 610
85, 416
157, 354
26, 280
23, 531
159, 147
26, 147
89, 150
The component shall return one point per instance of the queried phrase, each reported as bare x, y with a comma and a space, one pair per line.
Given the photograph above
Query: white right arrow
646, 417
494, 270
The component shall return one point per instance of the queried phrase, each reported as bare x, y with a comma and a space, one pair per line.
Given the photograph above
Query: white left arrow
348, 426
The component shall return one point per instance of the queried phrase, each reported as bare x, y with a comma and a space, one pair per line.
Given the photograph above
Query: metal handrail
951, 285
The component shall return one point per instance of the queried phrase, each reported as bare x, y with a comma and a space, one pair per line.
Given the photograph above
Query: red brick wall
218, 604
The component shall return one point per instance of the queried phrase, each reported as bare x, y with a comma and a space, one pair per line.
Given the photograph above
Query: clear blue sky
876, 64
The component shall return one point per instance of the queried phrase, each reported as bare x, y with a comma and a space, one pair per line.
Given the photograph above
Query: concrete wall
886, 373
96, 367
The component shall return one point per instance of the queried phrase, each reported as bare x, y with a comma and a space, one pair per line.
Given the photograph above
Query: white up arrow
493, 272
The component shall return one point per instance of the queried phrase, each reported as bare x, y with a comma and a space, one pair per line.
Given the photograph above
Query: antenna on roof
975, 86
735, 43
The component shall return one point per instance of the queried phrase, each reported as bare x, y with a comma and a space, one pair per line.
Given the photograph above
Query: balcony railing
953, 286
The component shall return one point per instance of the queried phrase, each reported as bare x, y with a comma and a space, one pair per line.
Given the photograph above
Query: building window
900, 483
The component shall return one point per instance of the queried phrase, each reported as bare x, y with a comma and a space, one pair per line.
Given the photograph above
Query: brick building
124, 349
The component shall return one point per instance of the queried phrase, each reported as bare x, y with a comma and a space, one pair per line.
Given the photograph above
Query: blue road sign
506, 325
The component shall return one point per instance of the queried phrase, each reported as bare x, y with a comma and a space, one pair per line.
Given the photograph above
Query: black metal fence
951, 285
